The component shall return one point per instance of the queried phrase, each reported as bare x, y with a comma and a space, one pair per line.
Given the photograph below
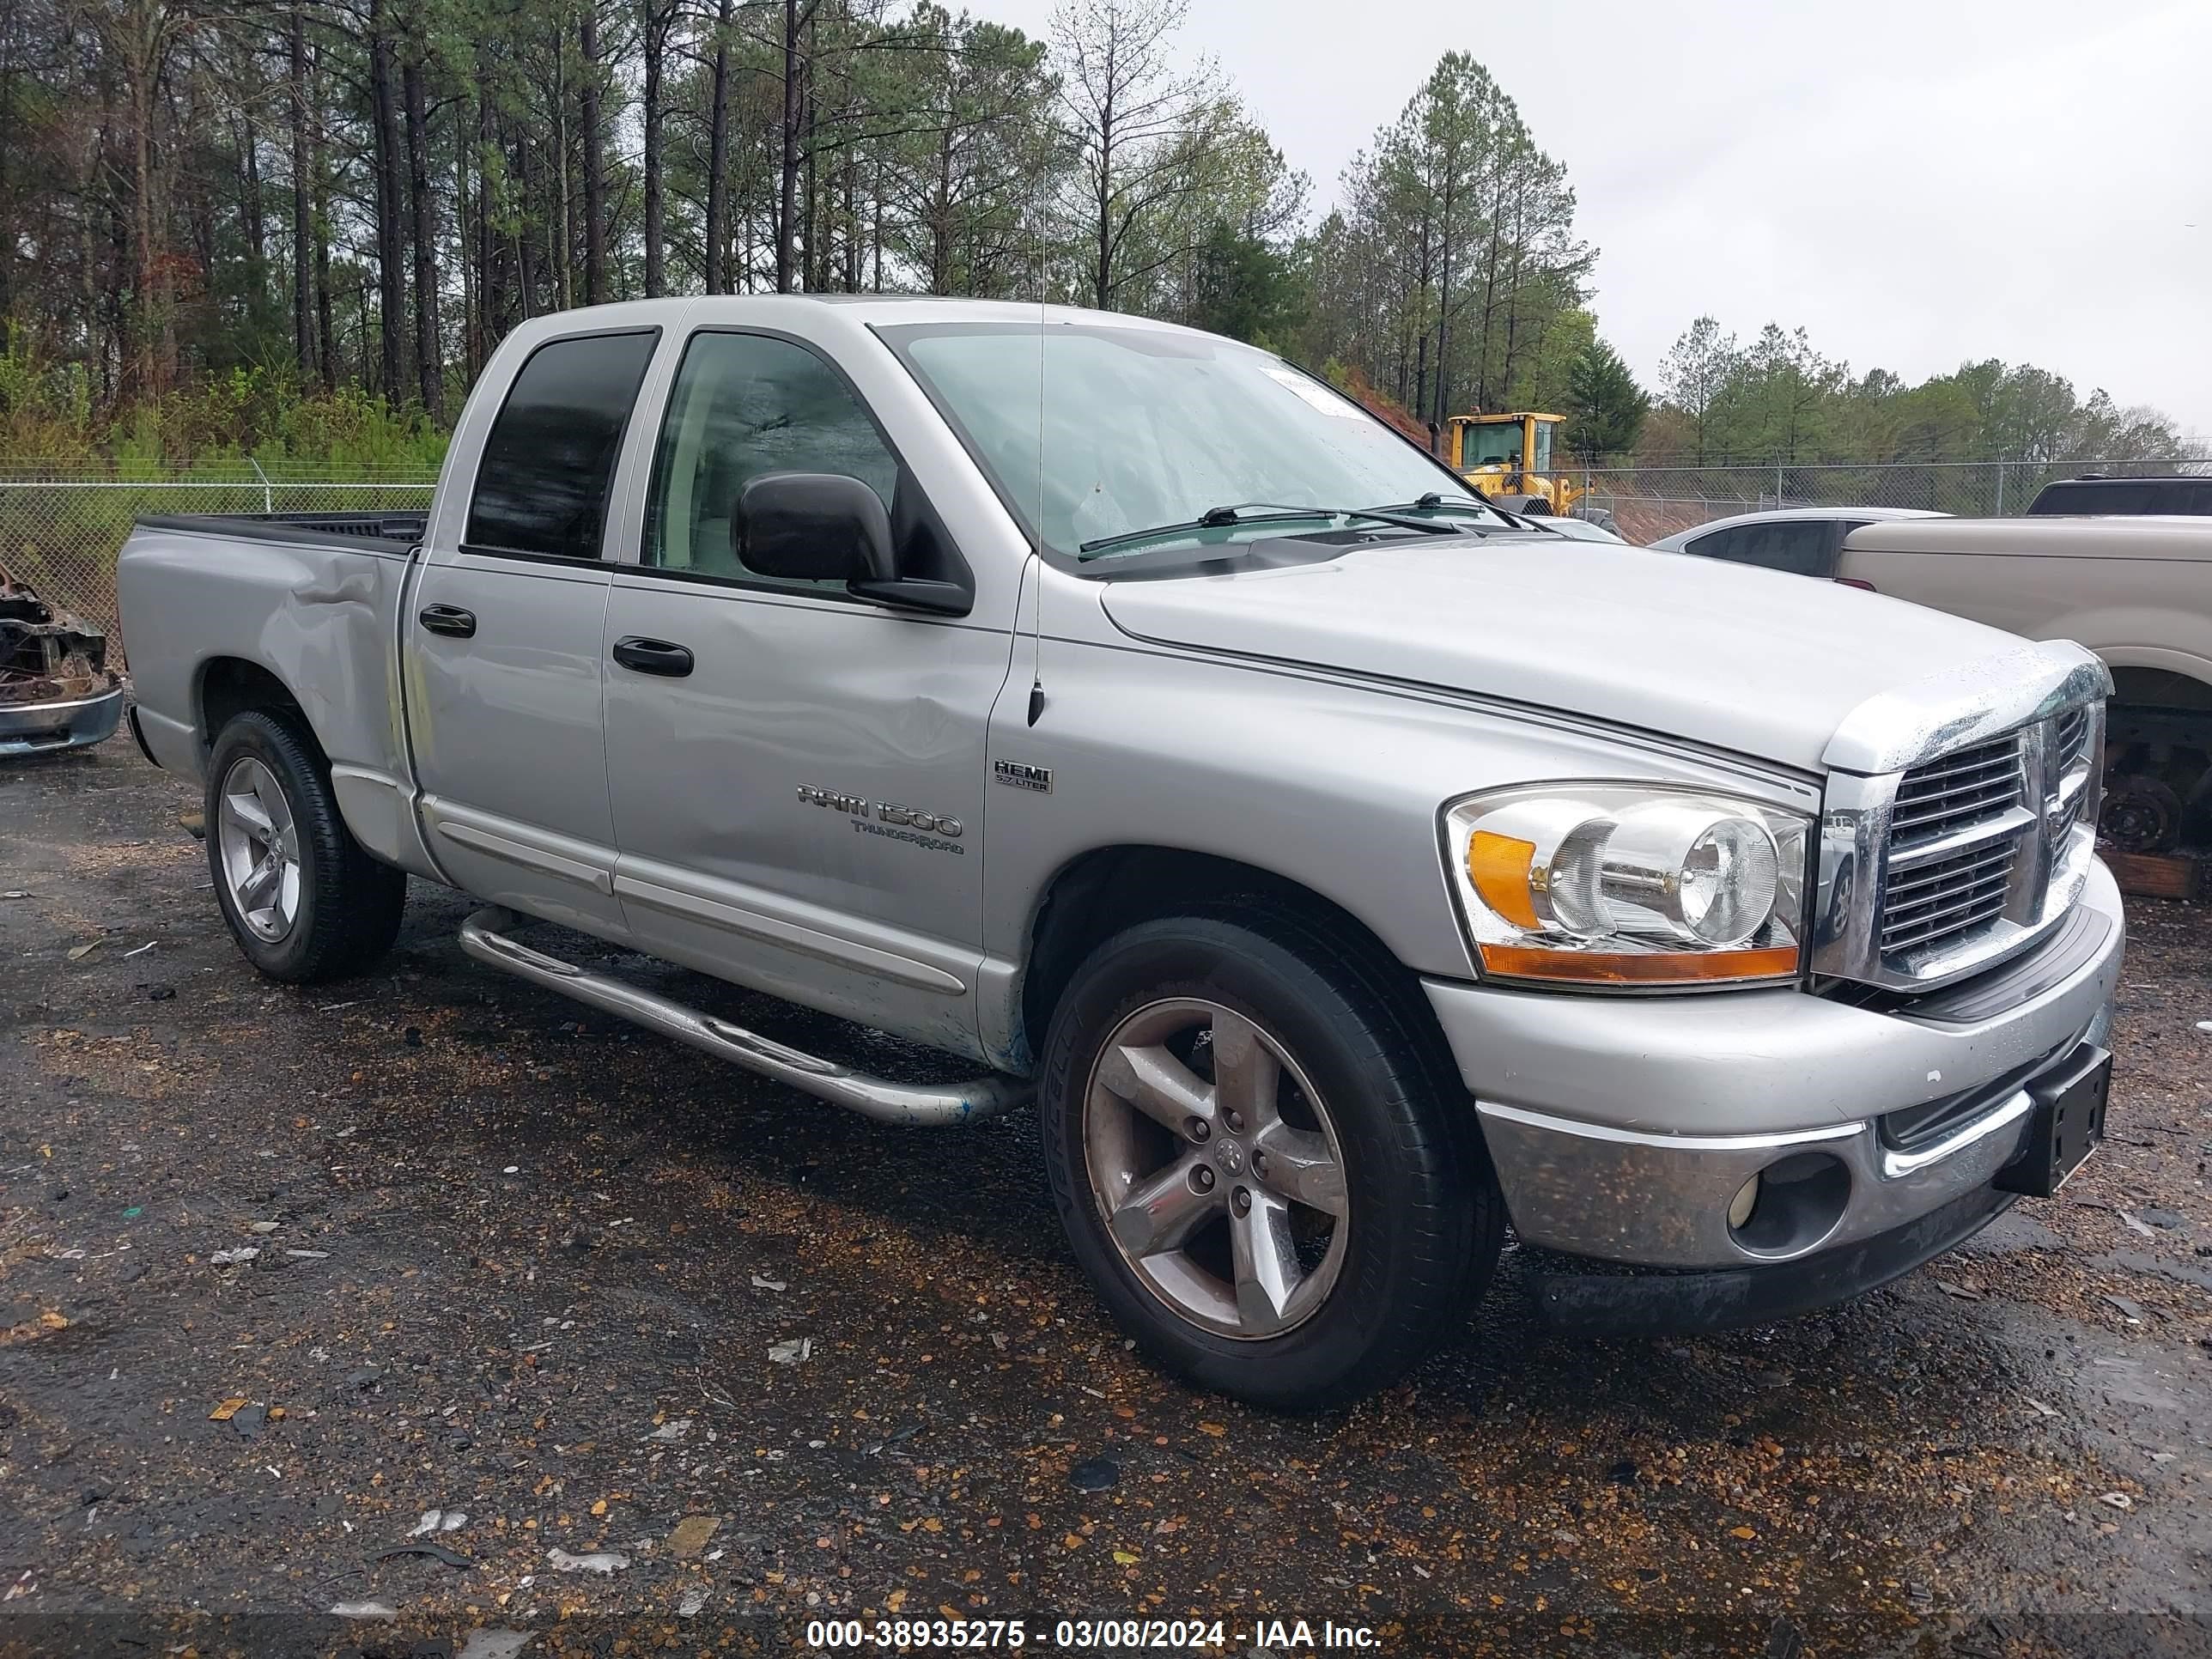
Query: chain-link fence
1648, 503
60, 530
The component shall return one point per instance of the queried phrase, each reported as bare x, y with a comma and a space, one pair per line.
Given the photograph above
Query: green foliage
47, 415
46, 408
977, 158
1605, 407
1547, 383
1778, 400
1247, 288
275, 232
1454, 261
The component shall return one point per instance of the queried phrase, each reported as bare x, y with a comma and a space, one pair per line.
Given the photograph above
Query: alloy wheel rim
259, 849
1216, 1169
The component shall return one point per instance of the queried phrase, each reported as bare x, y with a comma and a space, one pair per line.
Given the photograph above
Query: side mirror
813, 526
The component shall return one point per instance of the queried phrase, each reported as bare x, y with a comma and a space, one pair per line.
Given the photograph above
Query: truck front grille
1957, 835
1938, 863
1953, 896
1959, 791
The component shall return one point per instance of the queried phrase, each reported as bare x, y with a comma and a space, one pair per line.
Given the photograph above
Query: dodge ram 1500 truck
1345, 870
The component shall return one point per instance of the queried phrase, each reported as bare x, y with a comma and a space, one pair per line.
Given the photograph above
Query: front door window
746, 405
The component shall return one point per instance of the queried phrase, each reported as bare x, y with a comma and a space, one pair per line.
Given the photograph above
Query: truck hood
1749, 660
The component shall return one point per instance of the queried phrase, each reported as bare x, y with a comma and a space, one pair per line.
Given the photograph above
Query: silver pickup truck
1345, 870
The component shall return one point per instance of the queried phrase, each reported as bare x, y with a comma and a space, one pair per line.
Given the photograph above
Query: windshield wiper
1433, 502
1224, 518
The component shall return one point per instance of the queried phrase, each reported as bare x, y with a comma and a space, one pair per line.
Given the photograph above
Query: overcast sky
1917, 182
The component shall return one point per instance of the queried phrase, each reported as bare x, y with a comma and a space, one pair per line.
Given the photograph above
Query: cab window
744, 404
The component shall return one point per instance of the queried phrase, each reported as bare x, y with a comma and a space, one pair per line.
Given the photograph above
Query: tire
1422, 1221
332, 910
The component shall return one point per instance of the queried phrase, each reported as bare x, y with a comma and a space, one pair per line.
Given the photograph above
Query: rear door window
550, 460
1800, 547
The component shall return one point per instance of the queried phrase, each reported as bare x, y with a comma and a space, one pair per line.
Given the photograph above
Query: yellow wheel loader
1508, 458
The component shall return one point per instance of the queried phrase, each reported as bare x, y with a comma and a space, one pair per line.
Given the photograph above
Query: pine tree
1605, 407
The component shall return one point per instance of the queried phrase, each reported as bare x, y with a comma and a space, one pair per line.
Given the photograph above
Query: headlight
1630, 884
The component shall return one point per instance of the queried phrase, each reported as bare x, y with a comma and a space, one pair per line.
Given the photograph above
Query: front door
797, 796
503, 646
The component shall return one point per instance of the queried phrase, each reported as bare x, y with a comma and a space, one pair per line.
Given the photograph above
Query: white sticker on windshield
1319, 395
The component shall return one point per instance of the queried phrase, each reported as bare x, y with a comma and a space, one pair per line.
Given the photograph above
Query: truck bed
311, 598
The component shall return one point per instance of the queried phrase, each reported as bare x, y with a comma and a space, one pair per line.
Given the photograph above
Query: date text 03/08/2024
1088, 1635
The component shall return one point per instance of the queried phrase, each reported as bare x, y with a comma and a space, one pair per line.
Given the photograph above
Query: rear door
797, 796
504, 686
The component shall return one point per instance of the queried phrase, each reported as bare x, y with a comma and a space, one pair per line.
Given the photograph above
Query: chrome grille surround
1959, 821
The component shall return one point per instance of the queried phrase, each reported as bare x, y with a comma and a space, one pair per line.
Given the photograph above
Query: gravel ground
522, 1263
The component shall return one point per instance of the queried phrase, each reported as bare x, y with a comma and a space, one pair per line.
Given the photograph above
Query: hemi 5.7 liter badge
1013, 773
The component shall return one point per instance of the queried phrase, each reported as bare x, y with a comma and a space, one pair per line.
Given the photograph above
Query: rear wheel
302, 899
1264, 1166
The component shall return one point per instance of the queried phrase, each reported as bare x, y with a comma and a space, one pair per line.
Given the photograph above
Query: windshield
1491, 443
1094, 433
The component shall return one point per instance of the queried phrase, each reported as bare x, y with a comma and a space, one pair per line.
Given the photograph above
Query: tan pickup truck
2137, 591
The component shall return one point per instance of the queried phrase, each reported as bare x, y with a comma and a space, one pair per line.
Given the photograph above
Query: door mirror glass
812, 526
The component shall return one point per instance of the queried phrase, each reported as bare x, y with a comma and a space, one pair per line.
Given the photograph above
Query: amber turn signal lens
1499, 867
1646, 968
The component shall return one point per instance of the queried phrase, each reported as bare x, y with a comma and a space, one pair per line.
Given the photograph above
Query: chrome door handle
450, 620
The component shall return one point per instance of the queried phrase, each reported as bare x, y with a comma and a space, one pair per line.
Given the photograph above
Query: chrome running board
925, 1105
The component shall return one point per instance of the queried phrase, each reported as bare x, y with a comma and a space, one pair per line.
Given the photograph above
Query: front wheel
1263, 1164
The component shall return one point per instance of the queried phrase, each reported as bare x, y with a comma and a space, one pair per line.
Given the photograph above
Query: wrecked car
57, 690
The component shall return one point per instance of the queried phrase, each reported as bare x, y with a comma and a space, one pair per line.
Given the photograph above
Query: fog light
1790, 1206
1741, 1206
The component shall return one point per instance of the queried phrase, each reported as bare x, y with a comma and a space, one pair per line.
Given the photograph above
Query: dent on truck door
504, 652
800, 809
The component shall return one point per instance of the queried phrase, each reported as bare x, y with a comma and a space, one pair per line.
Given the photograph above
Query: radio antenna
1037, 513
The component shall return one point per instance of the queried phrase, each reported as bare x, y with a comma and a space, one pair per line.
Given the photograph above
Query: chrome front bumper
1622, 1128
33, 727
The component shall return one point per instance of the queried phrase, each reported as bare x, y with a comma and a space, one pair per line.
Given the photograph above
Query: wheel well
2158, 739
2159, 688
1112, 888
230, 686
